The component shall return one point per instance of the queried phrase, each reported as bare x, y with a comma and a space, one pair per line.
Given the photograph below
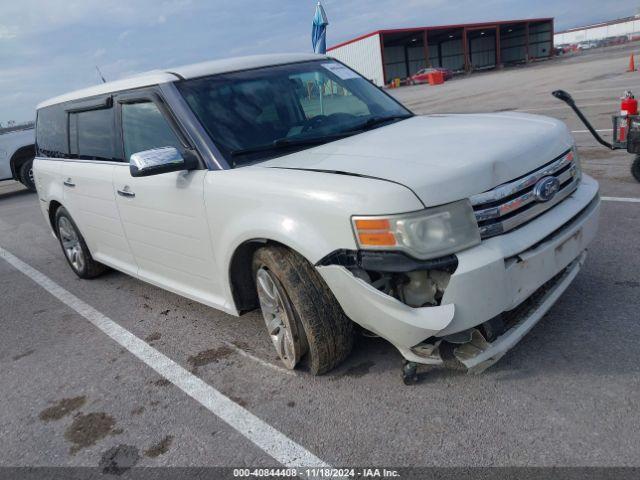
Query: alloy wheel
71, 244
278, 317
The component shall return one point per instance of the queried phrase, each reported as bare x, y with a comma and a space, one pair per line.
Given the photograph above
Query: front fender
309, 212
295, 233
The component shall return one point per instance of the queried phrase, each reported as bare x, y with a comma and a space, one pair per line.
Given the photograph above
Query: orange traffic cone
632, 64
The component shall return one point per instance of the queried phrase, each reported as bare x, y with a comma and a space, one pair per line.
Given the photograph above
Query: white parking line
560, 107
278, 369
606, 89
621, 199
604, 130
264, 436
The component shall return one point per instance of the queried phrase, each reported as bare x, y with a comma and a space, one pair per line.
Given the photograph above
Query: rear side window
145, 128
92, 135
51, 132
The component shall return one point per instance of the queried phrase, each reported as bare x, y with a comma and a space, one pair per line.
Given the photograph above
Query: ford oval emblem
546, 188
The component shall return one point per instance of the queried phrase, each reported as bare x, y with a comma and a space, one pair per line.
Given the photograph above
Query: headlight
431, 233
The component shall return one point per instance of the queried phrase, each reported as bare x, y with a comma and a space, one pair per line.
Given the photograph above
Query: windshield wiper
376, 121
283, 143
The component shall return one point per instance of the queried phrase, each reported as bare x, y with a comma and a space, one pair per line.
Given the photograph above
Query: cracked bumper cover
492, 278
478, 355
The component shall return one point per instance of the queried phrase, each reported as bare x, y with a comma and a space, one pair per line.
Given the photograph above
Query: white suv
291, 183
16, 155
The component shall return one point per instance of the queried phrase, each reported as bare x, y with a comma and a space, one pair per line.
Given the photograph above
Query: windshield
260, 114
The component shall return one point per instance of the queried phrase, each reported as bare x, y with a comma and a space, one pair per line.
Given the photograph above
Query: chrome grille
515, 203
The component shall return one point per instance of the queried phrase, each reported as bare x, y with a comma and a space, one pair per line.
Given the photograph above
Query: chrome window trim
81, 160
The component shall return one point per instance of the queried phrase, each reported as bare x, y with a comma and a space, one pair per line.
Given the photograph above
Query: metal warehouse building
629, 27
384, 55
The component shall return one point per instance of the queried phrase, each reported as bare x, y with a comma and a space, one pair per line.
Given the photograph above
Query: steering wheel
314, 123
319, 120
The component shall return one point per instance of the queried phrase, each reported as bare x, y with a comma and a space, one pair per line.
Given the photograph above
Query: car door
87, 179
164, 215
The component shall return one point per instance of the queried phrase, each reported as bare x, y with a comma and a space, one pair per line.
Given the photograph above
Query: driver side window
319, 94
145, 128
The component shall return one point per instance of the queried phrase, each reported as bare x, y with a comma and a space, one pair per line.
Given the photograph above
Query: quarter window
51, 132
145, 128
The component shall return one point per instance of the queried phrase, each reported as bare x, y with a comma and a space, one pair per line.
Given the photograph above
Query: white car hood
442, 158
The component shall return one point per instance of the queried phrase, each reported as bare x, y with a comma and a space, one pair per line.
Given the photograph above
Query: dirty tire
90, 268
26, 175
635, 168
328, 331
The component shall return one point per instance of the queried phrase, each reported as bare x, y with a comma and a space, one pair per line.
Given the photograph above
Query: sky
50, 47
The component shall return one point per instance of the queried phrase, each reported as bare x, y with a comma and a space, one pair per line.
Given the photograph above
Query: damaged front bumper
478, 354
519, 275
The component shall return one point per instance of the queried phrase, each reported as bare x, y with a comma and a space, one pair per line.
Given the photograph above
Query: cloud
51, 47
37, 16
6, 33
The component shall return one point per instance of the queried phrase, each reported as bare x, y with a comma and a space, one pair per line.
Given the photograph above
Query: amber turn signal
381, 224
375, 232
384, 239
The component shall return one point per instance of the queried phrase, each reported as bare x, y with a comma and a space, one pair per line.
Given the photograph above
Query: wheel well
243, 285
53, 208
19, 157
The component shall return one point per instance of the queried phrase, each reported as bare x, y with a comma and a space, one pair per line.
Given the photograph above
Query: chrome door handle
68, 183
126, 193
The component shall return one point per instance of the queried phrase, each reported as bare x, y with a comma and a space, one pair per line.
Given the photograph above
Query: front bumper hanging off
478, 354
513, 276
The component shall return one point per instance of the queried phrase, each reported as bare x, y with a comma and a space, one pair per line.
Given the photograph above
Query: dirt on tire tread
329, 332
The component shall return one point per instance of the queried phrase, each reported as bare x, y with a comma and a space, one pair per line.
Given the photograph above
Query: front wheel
303, 318
635, 168
75, 248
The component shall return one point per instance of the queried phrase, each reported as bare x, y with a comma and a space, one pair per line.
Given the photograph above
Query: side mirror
160, 160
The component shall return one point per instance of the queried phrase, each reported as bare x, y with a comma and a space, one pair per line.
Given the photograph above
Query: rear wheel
75, 248
635, 168
26, 175
303, 318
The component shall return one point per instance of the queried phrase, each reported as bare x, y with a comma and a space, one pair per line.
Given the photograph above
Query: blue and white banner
319, 32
